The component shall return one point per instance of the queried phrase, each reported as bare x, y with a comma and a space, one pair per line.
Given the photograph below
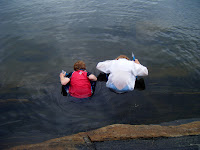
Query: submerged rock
13, 100
115, 132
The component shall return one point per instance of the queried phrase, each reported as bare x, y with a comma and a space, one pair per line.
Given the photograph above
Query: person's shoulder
107, 61
123, 60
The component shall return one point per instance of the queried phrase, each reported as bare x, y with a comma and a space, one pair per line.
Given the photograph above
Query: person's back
80, 85
122, 73
80, 81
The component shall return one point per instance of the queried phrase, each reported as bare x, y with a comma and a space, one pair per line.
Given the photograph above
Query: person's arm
92, 77
104, 66
64, 80
137, 61
140, 70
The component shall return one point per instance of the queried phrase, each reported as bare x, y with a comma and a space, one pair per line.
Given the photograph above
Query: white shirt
123, 72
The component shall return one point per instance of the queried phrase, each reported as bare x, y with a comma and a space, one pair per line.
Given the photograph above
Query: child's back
79, 81
80, 85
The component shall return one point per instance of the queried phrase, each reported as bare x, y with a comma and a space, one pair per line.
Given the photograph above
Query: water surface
40, 38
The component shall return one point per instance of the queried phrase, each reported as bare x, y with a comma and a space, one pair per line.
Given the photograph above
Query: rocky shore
112, 133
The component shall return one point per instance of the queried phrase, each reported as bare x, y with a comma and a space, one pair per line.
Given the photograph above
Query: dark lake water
40, 38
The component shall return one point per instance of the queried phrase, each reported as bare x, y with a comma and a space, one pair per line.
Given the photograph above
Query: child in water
80, 81
122, 73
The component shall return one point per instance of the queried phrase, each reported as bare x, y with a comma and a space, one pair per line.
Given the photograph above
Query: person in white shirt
122, 73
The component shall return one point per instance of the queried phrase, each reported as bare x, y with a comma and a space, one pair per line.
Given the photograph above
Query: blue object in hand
133, 56
64, 72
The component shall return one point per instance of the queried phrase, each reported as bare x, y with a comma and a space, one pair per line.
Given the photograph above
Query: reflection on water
40, 38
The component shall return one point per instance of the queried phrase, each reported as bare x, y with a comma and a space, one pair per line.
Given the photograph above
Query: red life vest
80, 85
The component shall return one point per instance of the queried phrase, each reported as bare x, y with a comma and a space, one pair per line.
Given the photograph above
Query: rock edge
115, 132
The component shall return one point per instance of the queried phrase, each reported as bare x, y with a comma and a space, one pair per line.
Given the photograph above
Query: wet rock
115, 132
123, 132
67, 142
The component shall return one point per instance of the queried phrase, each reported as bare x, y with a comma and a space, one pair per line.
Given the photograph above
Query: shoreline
115, 132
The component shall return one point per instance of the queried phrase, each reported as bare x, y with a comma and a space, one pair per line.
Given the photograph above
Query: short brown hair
79, 65
122, 56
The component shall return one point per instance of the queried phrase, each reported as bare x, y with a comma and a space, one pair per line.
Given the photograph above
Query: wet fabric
122, 73
113, 87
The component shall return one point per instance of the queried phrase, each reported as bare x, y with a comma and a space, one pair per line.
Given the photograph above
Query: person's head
79, 65
122, 56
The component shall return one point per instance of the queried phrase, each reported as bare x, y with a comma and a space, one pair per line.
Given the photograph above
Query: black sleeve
88, 74
68, 75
